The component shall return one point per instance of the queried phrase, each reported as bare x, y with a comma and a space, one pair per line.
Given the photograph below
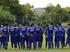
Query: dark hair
59, 23
69, 24
47, 25
23, 24
38, 24
51, 23
31, 24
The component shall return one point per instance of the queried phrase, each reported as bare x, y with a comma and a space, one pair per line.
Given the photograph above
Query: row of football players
21, 34
62, 36
33, 34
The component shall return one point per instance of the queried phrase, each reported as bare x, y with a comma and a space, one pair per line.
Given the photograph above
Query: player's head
68, 24
51, 23
59, 24
38, 24
6, 24
2, 25
15, 25
24, 25
20, 25
47, 25
31, 24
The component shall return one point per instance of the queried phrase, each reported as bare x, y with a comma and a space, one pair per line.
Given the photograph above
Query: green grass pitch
43, 49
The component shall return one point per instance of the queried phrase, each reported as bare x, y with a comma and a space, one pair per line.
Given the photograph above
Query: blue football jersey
31, 30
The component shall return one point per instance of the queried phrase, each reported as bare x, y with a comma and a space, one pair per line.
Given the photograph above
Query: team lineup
18, 35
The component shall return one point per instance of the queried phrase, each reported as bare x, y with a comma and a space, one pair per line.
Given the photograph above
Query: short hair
51, 23
23, 24
59, 23
68, 24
